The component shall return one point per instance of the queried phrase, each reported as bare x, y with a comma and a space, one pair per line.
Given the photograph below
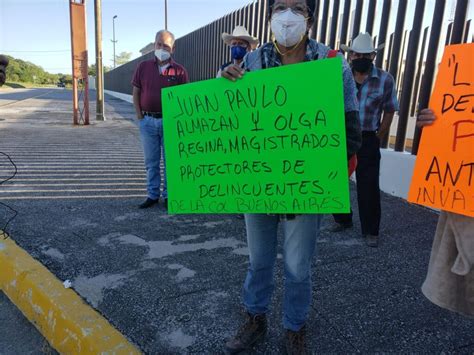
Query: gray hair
165, 32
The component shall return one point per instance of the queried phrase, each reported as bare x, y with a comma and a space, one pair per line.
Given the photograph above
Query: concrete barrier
61, 316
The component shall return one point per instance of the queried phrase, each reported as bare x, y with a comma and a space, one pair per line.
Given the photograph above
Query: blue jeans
151, 135
299, 245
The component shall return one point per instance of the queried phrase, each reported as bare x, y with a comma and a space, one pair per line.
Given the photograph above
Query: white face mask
162, 54
288, 27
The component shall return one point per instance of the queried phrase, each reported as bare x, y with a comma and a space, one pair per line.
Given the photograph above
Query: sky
38, 30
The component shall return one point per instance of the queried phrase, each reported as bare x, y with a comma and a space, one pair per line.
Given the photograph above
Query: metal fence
411, 62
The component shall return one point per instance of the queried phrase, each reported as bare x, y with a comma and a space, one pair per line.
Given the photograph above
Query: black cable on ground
3, 230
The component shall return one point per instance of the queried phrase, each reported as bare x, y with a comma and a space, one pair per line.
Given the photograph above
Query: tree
123, 58
66, 79
26, 72
91, 70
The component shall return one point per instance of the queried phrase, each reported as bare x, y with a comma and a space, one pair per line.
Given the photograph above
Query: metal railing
413, 66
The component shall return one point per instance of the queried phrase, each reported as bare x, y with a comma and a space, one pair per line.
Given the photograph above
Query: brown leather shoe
254, 328
372, 240
296, 342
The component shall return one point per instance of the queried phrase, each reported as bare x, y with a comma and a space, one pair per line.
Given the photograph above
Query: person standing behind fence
240, 43
376, 93
150, 77
290, 22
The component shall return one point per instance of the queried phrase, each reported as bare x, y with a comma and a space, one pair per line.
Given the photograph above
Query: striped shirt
376, 94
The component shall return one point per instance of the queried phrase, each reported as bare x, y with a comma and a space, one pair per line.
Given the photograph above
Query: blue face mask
238, 52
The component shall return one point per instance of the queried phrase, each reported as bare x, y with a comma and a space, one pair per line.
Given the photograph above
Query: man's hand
382, 132
233, 72
136, 102
385, 124
426, 117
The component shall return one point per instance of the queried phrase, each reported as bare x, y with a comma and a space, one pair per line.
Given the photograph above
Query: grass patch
16, 85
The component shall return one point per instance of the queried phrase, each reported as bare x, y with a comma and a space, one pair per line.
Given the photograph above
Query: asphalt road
17, 334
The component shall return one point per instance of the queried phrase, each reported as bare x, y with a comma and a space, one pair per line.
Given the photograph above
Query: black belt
368, 133
152, 114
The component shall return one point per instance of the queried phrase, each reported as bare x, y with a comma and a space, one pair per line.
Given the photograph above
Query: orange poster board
444, 170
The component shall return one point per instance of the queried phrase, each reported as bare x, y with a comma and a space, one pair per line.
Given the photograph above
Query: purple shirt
150, 81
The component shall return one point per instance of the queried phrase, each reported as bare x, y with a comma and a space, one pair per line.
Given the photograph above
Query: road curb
62, 317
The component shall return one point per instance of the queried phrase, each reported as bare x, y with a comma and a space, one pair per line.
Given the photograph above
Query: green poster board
272, 142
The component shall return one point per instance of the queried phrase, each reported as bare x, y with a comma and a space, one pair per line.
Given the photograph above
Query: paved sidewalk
171, 284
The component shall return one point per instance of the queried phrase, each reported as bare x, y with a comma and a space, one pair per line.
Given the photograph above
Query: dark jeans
343, 218
368, 190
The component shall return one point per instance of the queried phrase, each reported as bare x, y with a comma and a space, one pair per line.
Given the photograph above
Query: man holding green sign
290, 23
273, 145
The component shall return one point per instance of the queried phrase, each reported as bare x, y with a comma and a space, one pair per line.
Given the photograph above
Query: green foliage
123, 57
20, 71
65, 79
92, 70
